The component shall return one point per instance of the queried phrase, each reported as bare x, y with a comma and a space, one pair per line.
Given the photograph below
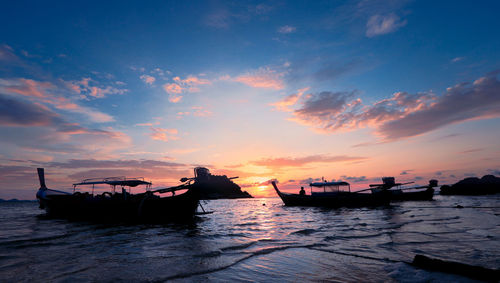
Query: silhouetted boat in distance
402, 194
334, 195
123, 206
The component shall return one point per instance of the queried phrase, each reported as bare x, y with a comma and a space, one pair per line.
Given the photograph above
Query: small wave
250, 255
304, 232
238, 247
209, 254
350, 237
248, 224
33, 241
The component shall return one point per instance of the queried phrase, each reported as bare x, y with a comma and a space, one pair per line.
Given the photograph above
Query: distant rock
217, 186
487, 185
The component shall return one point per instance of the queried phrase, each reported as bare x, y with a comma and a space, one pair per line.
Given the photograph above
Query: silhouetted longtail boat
333, 194
122, 206
402, 194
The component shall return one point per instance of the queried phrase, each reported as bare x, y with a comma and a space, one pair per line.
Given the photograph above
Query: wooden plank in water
471, 271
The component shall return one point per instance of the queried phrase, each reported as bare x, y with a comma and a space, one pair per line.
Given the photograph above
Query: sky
293, 91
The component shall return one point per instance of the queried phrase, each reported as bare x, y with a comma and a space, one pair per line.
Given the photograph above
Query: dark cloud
354, 178
404, 114
14, 112
494, 171
34, 126
309, 180
405, 172
325, 103
462, 102
7, 54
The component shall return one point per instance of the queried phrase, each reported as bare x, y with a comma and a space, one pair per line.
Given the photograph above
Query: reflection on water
255, 240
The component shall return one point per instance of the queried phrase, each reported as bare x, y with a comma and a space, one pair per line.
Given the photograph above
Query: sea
255, 240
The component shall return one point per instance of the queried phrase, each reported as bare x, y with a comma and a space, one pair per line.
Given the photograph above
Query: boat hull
399, 195
339, 200
120, 207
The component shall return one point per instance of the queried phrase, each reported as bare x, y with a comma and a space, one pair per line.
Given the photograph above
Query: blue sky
287, 89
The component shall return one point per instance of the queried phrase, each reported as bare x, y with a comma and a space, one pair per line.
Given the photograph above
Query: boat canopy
325, 188
328, 184
115, 181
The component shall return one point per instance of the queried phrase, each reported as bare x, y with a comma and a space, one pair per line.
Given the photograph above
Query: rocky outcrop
487, 185
216, 186
220, 187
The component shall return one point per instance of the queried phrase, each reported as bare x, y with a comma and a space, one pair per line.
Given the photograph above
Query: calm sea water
255, 240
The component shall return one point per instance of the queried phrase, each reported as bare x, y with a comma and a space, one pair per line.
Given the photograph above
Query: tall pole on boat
41, 178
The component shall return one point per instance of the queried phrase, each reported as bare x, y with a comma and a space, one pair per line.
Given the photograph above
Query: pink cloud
85, 89
53, 94
174, 98
147, 79
200, 111
162, 134
172, 88
179, 86
26, 87
262, 78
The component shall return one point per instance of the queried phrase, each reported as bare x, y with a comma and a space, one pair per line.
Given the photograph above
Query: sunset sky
286, 90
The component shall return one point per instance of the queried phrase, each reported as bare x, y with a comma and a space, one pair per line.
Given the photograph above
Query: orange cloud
172, 88
262, 78
290, 100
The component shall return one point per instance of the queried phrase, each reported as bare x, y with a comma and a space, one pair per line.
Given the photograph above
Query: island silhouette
473, 186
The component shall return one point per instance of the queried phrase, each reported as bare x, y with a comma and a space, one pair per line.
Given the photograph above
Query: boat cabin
329, 188
113, 182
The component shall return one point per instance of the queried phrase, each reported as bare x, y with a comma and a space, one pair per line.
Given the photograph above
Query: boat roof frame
115, 181
329, 184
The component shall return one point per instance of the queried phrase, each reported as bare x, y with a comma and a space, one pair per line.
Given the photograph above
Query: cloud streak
262, 78
287, 29
383, 24
302, 161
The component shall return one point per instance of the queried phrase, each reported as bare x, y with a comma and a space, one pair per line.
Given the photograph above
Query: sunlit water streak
255, 240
